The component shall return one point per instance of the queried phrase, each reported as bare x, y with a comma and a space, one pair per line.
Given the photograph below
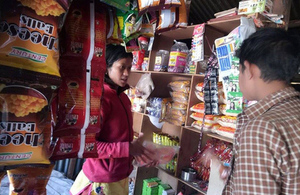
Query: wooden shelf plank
225, 25
213, 135
168, 73
192, 129
193, 185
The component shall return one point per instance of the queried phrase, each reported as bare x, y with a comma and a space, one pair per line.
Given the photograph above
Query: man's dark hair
274, 51
114, 53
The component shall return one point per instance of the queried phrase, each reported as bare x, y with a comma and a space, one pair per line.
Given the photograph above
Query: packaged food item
180, 97
199, 86
182, 21
167, 19
82, 66
208, 118
178, 55
130, 23
29, 35
198, 107
161, 61
145, 86
199, 95
123, 5
225, 131
25, 131
179, 106
70, 146
158, 107
198, 125
138, 58
31, 179
156, 5
189, 67
180, 86
113, 31
227, 121
214, 150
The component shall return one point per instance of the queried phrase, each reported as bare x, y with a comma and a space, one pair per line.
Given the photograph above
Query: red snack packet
82, 61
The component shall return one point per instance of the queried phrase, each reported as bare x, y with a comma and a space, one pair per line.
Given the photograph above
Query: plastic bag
145, 85
163, 154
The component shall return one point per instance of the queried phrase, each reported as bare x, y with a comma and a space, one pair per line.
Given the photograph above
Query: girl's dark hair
274, 51
114, 53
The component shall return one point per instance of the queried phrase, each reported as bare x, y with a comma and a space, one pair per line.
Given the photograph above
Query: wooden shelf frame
189, 136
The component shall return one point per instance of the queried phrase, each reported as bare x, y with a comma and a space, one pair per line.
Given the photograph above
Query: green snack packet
120, 4
130, 23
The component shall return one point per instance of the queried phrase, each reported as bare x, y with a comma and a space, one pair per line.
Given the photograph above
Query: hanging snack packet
31, 179
72, 146
29, 37
156, 5
130, 23
120, 4
25, 126
182, 21
113, 31
168, 18
83, 66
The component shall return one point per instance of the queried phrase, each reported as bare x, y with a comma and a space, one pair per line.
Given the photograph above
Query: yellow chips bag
28, 40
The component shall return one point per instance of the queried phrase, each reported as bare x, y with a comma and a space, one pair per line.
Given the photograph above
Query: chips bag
29, 35
25, 125
29, 179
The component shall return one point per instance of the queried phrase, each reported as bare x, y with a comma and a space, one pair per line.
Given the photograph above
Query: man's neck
264, 89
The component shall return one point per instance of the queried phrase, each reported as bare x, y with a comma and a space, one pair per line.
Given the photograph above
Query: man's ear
248, 70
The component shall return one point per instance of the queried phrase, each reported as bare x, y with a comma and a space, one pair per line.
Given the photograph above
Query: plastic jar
178, 55
161, 61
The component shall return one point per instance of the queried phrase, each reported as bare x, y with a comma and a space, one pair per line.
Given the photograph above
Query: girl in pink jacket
108, 174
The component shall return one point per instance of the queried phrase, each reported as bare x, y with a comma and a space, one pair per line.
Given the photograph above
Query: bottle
161, 61
178, 55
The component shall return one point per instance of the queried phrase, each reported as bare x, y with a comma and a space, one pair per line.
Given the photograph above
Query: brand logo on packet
15, 156
66, 147
25, 53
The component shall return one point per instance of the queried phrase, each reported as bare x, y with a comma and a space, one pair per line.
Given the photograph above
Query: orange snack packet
25, 130
29, 179
28, 40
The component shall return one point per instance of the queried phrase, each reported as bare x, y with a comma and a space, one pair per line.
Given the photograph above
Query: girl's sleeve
106, 149
112, 150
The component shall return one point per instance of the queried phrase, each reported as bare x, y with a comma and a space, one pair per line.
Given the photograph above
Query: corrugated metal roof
203, 10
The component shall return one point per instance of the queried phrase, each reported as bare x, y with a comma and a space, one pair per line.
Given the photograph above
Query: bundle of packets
82, 67
29, 79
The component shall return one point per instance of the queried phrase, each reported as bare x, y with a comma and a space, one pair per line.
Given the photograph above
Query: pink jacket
114, 162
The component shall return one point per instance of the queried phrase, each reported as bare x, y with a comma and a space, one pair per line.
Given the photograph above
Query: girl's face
120, 71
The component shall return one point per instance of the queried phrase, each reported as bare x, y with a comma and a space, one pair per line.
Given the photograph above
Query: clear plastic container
178, 57
161, 61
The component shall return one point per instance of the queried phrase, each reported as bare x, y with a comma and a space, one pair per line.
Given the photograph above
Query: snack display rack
188, 136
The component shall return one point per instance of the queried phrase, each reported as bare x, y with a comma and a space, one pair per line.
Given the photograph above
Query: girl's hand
141, 153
